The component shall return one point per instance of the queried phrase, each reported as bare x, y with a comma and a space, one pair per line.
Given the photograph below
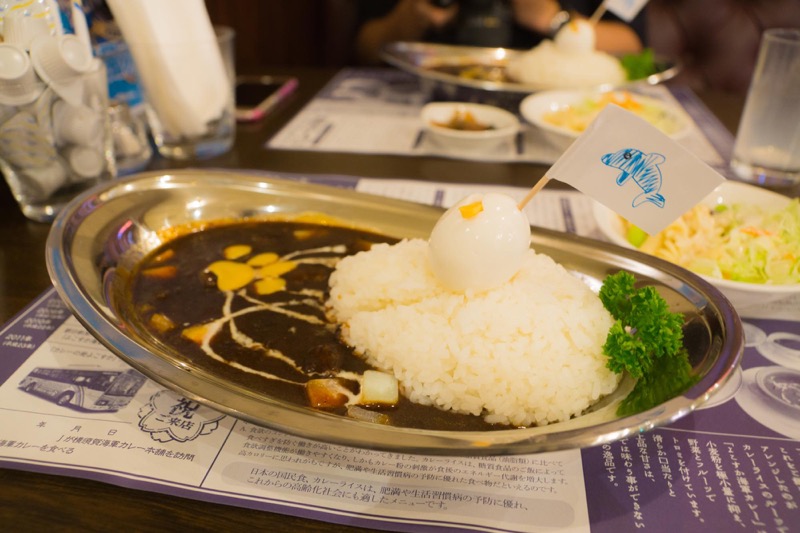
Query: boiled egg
479, 243
576, 37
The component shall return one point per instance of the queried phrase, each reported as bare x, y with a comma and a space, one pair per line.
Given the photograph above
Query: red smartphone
256, 96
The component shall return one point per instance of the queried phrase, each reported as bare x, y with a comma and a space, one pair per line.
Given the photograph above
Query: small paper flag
625, 9
634, 169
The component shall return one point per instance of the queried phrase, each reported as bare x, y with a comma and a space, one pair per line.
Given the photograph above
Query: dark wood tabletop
38, 502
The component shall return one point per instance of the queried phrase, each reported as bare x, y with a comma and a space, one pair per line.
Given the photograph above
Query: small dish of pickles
469, 126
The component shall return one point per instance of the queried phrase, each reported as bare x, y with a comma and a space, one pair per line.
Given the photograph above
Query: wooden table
37, 502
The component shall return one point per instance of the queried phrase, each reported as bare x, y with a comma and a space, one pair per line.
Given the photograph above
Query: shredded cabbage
735, 242
577, 117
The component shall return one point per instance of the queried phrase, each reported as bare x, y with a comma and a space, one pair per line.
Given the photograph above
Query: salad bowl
742, 294
564, 115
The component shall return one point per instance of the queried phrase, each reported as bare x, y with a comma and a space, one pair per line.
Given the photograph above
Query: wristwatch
558, 21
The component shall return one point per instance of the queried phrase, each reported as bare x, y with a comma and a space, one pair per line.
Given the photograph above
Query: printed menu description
69, 406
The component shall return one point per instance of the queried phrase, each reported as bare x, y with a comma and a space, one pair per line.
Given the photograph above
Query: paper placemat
376, 111
732, 466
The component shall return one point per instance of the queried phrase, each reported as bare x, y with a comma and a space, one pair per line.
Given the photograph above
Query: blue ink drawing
643, 169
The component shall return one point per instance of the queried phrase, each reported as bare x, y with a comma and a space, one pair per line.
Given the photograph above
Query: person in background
520, 24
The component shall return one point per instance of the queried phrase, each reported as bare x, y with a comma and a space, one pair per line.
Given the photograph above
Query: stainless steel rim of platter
109, 228
426, 60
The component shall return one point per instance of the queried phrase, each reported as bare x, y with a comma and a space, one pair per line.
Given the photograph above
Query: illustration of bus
92, 390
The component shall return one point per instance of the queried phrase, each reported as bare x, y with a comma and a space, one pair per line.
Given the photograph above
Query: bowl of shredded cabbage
743, 239
563, 115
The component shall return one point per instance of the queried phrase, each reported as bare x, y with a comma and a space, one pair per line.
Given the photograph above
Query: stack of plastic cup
21, 30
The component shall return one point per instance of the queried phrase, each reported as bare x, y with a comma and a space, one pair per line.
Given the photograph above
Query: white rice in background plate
528, 353
549, 67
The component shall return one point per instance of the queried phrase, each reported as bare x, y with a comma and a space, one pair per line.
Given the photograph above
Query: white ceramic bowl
534, 107
741, 294
504, 125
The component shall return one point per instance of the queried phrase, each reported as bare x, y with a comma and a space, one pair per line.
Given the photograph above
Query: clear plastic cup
767, 148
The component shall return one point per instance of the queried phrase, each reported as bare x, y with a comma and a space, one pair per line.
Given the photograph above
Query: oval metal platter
449, 65
97, 239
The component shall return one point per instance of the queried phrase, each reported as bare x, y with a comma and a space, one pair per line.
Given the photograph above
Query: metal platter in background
484, 69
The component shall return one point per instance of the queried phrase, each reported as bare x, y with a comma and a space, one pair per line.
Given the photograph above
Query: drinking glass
767, 148
55, 140
189, 94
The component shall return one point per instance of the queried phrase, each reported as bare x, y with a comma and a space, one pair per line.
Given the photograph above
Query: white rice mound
550, 67
527, 353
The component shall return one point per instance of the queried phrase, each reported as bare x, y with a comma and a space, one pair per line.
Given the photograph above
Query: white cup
61, 61
767, 148
85, 162
61, 57
76, 124
21, 29
47, 179
18, 82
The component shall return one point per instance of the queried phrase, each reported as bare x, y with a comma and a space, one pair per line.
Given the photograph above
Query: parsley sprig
639, 66
646, 341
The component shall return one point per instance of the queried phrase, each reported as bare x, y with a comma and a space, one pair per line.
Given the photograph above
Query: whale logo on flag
643, 169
